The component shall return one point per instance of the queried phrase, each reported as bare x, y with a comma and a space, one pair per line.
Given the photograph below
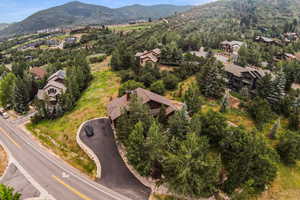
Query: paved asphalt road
51, 175
115, 174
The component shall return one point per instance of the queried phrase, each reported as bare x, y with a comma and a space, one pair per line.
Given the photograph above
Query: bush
171, 81
289, 148
97, 59
158, 87
130, 85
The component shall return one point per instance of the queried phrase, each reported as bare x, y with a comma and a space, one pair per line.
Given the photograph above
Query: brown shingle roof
38, 72
117, 105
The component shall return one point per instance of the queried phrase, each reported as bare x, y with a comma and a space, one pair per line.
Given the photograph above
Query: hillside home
55, 87
200, 53
52, 42
231, 46
239, 77
145, 57
266, 40
154, 101
70, 40
290, 37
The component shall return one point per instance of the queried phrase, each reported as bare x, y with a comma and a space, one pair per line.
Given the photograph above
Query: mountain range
3, 26
77, 13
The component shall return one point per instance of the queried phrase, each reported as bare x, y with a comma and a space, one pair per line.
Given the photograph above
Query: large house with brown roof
55, 87
145, 57
239, 77
231, 46
154, 101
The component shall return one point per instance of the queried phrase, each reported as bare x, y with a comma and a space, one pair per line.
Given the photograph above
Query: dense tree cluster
192, 154
78, 76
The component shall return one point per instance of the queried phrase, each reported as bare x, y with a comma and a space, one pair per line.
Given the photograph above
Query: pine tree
155, 144
277, 90
192, 99
211, 81
190, 170
7, 193
136, 152
7, 89
179, 124
20, 97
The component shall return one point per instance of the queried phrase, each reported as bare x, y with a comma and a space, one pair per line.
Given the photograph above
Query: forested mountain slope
77, 13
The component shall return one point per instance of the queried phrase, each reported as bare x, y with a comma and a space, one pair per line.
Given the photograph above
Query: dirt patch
166, 67
3, 160
234, 102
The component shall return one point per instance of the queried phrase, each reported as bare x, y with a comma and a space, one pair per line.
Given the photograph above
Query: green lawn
60, 134
130, 27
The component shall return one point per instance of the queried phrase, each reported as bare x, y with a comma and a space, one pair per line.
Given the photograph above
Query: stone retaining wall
87, 150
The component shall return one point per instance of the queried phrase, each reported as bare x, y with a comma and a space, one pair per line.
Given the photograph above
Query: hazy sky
17, 10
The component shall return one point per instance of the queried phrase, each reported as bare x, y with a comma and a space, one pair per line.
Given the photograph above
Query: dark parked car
89, 131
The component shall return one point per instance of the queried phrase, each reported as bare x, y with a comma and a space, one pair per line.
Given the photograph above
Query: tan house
55, 87
231, 46
154, 101
145, 57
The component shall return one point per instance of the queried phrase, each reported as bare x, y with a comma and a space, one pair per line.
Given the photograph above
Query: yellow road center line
71, 188
10, 138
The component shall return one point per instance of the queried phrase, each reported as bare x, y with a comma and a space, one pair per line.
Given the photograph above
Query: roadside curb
87, 150
9, 159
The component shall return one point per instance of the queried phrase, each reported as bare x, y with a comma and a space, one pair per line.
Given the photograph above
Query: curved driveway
114, 173
54, 178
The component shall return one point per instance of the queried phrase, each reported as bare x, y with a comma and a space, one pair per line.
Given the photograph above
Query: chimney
128, 94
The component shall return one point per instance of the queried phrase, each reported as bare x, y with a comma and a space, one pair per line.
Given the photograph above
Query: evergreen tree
170, 81
289, 148
129, 86
192, 99
135, 112
158, 87
179, 124
7, 89
242, 153
20, 96
155, 144
7, 193
122, 57
264, 85
213, 126
211, 81
19, 68
191, 170
152, 43
277, 90
136, 152
260, 111
294, 121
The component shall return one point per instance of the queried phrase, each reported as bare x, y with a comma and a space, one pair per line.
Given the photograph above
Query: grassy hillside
231, 20
60, 134
232, 15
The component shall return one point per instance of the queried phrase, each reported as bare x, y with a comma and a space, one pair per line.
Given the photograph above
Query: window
52, 91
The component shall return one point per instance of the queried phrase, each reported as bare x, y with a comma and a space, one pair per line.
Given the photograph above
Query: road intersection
54, 178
